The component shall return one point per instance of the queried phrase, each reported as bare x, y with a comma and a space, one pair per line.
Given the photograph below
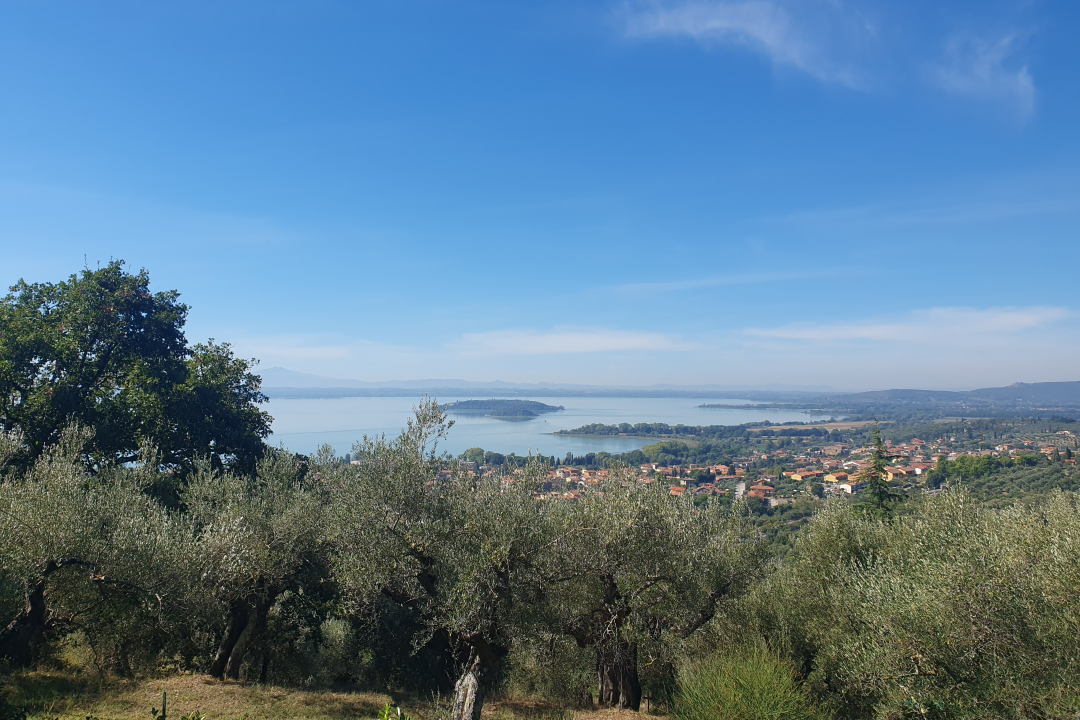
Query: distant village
833, 469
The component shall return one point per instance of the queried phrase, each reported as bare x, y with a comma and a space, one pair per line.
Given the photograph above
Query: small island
502, 408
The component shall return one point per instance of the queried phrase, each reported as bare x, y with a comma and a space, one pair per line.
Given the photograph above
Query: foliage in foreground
317, 572
955, 610
384, 574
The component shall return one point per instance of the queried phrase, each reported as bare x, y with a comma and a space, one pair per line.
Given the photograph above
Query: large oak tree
101, 350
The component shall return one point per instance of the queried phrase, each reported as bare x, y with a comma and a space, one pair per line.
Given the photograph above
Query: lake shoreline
305, 424
840, 425
691, 440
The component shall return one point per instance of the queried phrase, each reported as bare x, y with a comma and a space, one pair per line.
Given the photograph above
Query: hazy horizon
280, 377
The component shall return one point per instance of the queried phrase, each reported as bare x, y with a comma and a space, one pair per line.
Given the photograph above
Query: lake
304, 425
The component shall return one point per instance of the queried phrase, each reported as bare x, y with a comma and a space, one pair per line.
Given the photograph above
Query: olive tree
462, 551
256, 537
79, 544
631, 565
955, 610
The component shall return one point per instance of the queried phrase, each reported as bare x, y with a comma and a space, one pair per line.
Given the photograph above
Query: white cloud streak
763, 26
927, 326
980, 69
294, 348
274, 349
564, 342
717, 281
835, 42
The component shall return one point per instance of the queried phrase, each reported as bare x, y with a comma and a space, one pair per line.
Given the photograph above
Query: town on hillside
815, 472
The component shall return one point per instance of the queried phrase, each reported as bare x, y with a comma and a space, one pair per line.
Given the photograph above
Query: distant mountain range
1055, 394
279, 382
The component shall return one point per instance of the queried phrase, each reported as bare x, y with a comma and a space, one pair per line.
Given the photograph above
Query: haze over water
303, 425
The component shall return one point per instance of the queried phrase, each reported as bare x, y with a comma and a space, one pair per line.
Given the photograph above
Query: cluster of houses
833, 466
837, 468
1027, 447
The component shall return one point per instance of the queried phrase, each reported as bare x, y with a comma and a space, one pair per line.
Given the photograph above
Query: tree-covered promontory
502, 408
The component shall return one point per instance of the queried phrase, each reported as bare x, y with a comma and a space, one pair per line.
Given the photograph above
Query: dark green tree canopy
101, 350
876, 474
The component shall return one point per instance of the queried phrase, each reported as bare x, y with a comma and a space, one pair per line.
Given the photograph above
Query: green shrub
10, 712
955, 610
751, 685
392, 713
552, 669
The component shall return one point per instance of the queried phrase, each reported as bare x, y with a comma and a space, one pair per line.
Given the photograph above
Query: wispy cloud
733, 279
764, 26
275, 348
926, 326
294, 348
956, 211
984, 69
563, 342
935, 213
55, 213
862, 46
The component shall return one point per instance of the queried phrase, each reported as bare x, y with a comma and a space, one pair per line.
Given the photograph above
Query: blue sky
807, 192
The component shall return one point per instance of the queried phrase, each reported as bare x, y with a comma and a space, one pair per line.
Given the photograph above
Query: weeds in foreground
753, 685
389, 712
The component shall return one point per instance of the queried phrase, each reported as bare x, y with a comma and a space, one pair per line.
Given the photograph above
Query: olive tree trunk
256, 626
247, 623
19, 640
238, 620
617, 677
480, 673
469, 692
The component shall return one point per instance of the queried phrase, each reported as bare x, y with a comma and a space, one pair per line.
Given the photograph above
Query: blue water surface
303, 425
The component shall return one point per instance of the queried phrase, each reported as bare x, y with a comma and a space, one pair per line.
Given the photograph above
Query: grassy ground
67, 697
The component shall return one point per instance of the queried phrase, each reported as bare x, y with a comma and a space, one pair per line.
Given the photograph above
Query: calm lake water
304, 425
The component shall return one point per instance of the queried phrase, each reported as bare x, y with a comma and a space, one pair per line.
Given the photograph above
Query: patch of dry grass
68, 697
59, 696
519, 710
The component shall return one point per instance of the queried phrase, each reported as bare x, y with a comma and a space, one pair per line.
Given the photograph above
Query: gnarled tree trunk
256, 625
616, 658
19, 640
617, 676
469, 693
238, 621
480, 674
247, 623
